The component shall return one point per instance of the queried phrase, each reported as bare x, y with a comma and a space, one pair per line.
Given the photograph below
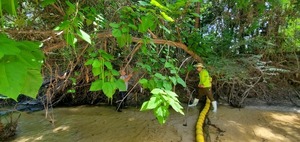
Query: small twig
246, 93
59, 9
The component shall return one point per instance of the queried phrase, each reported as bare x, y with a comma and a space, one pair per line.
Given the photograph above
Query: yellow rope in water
200, 122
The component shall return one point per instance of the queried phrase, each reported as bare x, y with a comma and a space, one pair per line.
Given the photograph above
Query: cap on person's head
199, 65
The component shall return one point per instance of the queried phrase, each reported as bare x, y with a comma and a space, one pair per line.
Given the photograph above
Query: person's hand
200, 86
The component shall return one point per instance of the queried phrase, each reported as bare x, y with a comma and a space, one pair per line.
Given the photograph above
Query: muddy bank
255, 124
103, 124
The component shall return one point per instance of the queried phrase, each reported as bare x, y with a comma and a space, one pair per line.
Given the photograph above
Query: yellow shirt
205, 79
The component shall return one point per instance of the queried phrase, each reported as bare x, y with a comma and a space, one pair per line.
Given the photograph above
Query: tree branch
108, 34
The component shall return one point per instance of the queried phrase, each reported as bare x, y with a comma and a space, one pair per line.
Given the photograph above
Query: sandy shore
104, 124
254, 125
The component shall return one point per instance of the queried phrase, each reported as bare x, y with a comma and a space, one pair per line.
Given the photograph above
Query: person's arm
128, 77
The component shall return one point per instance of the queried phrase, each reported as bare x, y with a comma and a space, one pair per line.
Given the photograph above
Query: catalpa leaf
109, 89
33, 83
12, 78
120, 84
96, 85
20, 68
1, 55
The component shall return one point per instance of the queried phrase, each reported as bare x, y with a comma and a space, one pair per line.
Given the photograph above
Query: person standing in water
122, 101
204, 87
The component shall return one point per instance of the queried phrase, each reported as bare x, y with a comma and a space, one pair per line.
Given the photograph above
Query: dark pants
122, 95
205, 91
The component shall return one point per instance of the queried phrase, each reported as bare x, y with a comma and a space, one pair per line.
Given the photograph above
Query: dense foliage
244, 43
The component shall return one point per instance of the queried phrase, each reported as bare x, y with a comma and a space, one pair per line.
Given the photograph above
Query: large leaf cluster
105, 74
20, 66
160, 102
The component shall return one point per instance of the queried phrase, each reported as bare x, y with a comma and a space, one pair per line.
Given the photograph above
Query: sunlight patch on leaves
160, 101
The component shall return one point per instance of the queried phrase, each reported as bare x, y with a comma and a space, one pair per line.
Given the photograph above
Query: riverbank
255, 124
102, 124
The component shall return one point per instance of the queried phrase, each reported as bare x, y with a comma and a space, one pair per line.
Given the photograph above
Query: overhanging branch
60, 43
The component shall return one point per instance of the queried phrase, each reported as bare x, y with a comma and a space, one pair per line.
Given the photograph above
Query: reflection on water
103, 124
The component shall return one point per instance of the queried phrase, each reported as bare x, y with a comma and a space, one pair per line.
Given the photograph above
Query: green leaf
160, 76
144, 82
168, 65
96, 64
158, 83
71, 91
109, 89
120, 84
133, 26
144, 106
108, 65
33, 83
160, 102
1, 55
10, 6
71, 9
96, 85
157, 91
12, 80
167, 85
106, 55
70, 39
82, 34
125, 30
30, 54
162, 113
114, 25
173, 79
180, 81
124, 39
115, 72
8, 46
172, 94
147, 22
152, 84
151, 104
47, 2
96, 71
166, 29
89, 62
20, 71
116, 33
157, 4
176, 106
142, 3
166, 17
173, 71
64, 25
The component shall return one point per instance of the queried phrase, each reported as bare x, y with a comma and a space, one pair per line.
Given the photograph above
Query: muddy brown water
104, 124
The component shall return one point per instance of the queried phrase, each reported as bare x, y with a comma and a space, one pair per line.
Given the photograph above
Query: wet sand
253, 124
104, 124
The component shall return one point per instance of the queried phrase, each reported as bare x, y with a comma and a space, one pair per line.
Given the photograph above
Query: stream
103, 124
